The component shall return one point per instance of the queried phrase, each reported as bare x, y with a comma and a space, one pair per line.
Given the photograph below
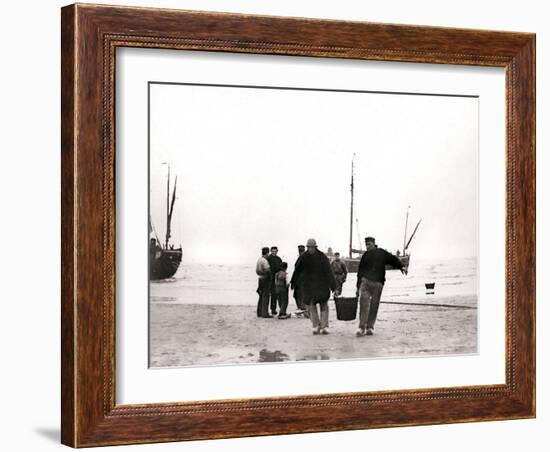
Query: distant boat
164, 259
354, 256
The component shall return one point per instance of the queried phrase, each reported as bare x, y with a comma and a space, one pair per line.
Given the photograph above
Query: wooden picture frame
90, 36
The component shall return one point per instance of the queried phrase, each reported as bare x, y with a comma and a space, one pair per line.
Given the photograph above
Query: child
281, 291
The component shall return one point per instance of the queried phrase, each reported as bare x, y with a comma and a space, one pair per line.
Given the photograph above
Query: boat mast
351, 211
406, 225
167, 209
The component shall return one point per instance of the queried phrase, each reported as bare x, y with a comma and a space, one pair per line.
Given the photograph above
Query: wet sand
193, 334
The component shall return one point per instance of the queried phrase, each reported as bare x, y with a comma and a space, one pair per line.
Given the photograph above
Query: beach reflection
314, 357
267, 356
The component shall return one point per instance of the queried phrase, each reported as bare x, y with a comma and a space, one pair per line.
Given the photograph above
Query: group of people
273, 286
315, 277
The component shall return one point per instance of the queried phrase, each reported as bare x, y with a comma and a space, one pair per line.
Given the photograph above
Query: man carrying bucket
371, 277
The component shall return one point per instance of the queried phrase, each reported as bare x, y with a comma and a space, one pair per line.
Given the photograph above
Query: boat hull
164, 264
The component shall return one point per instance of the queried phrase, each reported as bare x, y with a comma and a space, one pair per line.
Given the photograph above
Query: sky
262, 167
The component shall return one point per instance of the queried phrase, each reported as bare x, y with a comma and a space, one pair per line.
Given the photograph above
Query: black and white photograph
295, 224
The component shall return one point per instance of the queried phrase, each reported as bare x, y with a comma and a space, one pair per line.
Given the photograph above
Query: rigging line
358, 234
155, 232
430, 304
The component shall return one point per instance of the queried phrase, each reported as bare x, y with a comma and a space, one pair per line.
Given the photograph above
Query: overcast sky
269, 167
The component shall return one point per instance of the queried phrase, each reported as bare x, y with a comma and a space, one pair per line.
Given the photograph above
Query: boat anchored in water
164, 259
354, 256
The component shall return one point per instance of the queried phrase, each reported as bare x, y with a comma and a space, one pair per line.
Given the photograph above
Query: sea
233, 285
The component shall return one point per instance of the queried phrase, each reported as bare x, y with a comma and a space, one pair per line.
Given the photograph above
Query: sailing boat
354, 256
404, 255
164, 259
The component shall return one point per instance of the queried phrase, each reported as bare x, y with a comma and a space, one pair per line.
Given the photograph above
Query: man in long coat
317, 281
297, 287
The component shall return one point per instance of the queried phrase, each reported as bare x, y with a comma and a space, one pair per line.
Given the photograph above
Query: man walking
264, 284
275, 265
340, 273
371, 277
317, 282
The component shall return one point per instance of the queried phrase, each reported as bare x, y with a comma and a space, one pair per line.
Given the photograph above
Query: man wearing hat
371, 277
315, 275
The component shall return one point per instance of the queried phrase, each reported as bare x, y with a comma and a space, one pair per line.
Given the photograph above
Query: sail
164, 261
411, 237
170, 212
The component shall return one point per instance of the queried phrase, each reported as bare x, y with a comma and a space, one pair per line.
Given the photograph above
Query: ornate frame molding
90, 37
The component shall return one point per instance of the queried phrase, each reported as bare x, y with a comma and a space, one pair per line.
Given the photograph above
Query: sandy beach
198, 335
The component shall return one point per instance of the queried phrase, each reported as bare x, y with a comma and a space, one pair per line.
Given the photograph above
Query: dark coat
275, 263
295, 283
339, 268
373, 265
314, 276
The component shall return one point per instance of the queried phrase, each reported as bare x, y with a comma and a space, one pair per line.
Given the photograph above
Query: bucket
346, 308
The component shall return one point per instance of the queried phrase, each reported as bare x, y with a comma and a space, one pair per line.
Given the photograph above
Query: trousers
273, 299
299, 298
264, 289
317, 320
369, 300
282, 298
340, 280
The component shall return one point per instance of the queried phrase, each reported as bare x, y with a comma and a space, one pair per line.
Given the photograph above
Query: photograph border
90, 35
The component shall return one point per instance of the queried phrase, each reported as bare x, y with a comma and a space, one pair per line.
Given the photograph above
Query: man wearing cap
371, 277
317, 280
